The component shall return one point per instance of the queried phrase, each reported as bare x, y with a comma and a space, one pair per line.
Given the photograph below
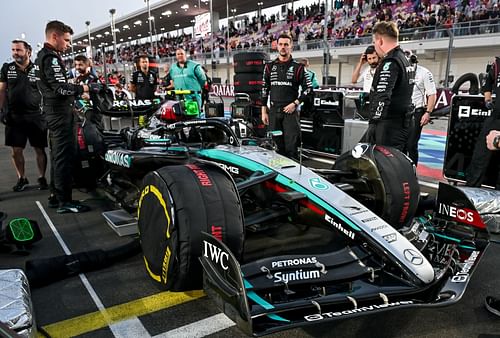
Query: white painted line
123, 329
130, 328
200, 328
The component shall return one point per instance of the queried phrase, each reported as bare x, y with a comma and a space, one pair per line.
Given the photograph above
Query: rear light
81, 139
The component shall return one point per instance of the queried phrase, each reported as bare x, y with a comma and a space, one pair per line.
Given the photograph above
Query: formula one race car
278, 245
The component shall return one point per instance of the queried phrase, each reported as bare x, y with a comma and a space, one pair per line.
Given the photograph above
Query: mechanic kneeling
282, 79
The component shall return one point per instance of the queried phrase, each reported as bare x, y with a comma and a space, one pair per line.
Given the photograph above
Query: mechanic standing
371, 58
281, 82
188, 75
85, 76
423, 100
20, 100
143, 82
390, 94
58, 97
481, 156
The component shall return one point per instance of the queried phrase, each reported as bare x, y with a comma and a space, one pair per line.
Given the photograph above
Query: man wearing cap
391, 90
20, 99
423, 99
370, 58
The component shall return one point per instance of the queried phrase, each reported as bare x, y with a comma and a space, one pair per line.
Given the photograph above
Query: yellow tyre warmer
177, 203
392, 177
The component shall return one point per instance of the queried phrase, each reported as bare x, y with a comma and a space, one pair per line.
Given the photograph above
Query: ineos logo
413, 257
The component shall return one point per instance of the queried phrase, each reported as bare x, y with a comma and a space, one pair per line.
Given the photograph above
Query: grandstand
431, 28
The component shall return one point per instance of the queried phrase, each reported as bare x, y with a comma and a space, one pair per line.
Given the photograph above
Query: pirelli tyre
176, 204
247, 82
250, 62
467, 77
391, 176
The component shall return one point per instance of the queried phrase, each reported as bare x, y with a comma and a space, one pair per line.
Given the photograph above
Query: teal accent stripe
278, 318
262, 302
254, 166
234, 158
447, 237
290, 183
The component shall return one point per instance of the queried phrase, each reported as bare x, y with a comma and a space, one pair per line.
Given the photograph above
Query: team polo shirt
23, 96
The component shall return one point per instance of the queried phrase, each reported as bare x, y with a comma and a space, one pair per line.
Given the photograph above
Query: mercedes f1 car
278, 245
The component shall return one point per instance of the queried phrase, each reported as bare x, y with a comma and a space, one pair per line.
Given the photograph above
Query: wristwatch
496, 142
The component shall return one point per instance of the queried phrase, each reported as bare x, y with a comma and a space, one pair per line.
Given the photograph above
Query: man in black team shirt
58, 96
281, 82
390, 94
85, 76
20, 99
144, 81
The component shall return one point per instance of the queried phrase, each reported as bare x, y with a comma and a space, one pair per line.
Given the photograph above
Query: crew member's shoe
73, 206
53, 201
42, 183
21, 184
493, 305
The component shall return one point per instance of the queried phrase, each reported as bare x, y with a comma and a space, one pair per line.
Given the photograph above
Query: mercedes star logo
413, 257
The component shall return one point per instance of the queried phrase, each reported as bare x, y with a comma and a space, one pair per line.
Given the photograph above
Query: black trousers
62, 139
414, 134
481, 157
289, 125
390, 133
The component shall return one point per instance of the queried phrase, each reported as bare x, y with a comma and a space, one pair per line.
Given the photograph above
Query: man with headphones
423, 99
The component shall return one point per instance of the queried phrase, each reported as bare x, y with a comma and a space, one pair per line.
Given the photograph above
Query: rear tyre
250, 62
177, 203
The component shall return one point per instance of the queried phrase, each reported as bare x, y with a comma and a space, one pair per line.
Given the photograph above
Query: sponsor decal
281, 83
229, 169
389, 238
406, 203
223, 90
413, 257
387, 65
371, 219
12, 67
463, 275
338, 226
327, 315
200, 174
466, 111
279, 162
134, 103
294, 262
285, 277
216, 254
118, 158
216, 231
164, 266
316, 183
377, 228
461, 215
55, 62
320, 102
357, 210
359, 150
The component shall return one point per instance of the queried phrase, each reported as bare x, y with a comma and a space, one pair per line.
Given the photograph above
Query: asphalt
65, 308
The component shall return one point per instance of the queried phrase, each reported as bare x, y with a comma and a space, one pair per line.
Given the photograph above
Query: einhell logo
466, 111
463, 215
